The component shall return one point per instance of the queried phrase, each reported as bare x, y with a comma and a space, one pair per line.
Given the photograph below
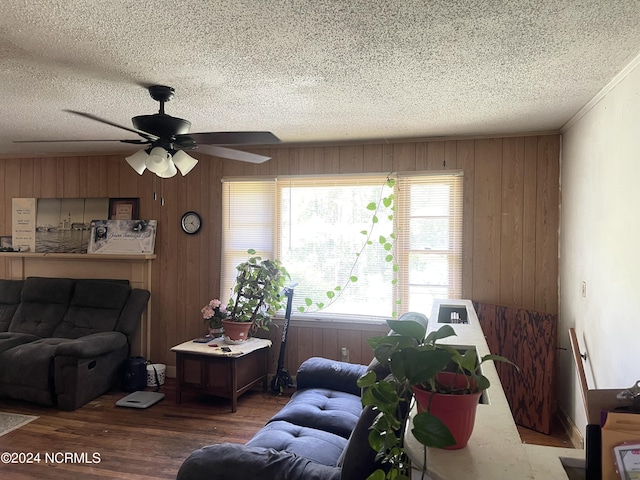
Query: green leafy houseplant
414, 361
257, 291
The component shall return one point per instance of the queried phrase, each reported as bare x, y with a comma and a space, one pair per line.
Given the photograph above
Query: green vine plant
385, 205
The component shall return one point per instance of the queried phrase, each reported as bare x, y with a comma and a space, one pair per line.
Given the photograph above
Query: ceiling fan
168, 137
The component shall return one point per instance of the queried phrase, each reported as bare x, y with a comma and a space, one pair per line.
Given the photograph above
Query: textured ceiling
309, 71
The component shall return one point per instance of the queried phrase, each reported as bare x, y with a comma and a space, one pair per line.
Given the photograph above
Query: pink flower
214, 308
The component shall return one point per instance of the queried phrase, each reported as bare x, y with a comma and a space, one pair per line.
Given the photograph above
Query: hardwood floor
144, 444
131, 443
557, 437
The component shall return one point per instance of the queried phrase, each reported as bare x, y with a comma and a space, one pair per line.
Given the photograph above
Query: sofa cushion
316, 445
329, 410
95, 307
228, 461
33, 380
8, 340
318, 372
44, 301
10, 291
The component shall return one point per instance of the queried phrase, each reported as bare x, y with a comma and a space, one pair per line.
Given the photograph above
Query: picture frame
6, 242
124, 208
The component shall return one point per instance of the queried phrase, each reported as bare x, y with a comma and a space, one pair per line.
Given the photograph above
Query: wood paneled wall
510, 223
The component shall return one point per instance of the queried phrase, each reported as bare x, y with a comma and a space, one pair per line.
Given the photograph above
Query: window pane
429, 233
320, 238
430, 200
421, 298
428, 269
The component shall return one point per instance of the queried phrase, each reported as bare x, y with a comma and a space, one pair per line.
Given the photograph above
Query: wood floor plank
131, 443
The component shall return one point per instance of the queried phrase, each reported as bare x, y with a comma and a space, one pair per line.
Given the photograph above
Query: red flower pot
237, 332
457, 412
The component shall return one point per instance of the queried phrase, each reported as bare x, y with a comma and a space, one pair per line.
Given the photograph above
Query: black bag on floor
134, 376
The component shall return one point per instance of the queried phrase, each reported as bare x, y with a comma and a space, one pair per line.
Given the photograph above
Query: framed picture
6, 242
124, 208
122, 236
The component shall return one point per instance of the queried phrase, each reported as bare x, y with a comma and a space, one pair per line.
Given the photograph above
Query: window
317, 227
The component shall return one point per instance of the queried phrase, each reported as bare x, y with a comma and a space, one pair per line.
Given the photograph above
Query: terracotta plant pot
457, 412
236, 332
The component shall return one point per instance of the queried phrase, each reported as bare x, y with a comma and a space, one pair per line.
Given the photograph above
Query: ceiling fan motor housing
162, 125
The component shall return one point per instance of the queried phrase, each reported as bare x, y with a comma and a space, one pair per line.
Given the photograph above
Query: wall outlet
584, 289
344, 354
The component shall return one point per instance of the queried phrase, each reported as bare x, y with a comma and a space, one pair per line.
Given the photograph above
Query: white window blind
315, 226
248, 221
429, 246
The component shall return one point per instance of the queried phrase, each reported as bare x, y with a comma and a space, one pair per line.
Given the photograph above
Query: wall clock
191, 223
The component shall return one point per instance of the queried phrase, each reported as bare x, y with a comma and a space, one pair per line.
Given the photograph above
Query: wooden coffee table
206, 369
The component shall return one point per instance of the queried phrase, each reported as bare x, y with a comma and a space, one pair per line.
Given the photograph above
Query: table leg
179, 378
266, 369
234, 386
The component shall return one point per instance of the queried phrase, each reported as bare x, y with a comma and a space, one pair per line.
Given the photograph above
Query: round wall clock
191, 223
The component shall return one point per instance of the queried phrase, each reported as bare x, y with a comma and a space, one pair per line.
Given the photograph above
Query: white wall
600, 243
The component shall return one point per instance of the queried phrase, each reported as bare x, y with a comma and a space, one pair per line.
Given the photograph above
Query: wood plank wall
510, 223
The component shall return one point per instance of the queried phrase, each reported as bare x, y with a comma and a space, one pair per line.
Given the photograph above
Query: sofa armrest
229, 461
318, 372
92, 345
129, 320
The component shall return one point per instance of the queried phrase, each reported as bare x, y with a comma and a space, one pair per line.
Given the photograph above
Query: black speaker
134, 376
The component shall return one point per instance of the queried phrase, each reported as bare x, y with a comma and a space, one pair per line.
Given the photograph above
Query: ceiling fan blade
136, 142
146, 135
232, 138
231, 154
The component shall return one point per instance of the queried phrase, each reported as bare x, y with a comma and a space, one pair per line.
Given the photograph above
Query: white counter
494, 451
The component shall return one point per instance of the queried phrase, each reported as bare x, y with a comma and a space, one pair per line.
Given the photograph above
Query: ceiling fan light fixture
184, 162
169, 172
158, 160
137, 161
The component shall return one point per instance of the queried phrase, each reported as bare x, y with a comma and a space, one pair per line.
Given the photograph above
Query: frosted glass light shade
158, 160
184, 162
169, 172
137, 161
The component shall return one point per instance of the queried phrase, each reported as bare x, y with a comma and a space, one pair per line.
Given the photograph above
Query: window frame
401, 250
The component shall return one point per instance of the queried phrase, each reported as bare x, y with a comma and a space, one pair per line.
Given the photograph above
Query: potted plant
256, 296
213, 313
417, 365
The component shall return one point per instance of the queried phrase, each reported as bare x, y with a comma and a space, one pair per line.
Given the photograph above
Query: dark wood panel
186, 271
548, 192
435, 156
487, 217
511, 222
528, 339
529, 214
465, 156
